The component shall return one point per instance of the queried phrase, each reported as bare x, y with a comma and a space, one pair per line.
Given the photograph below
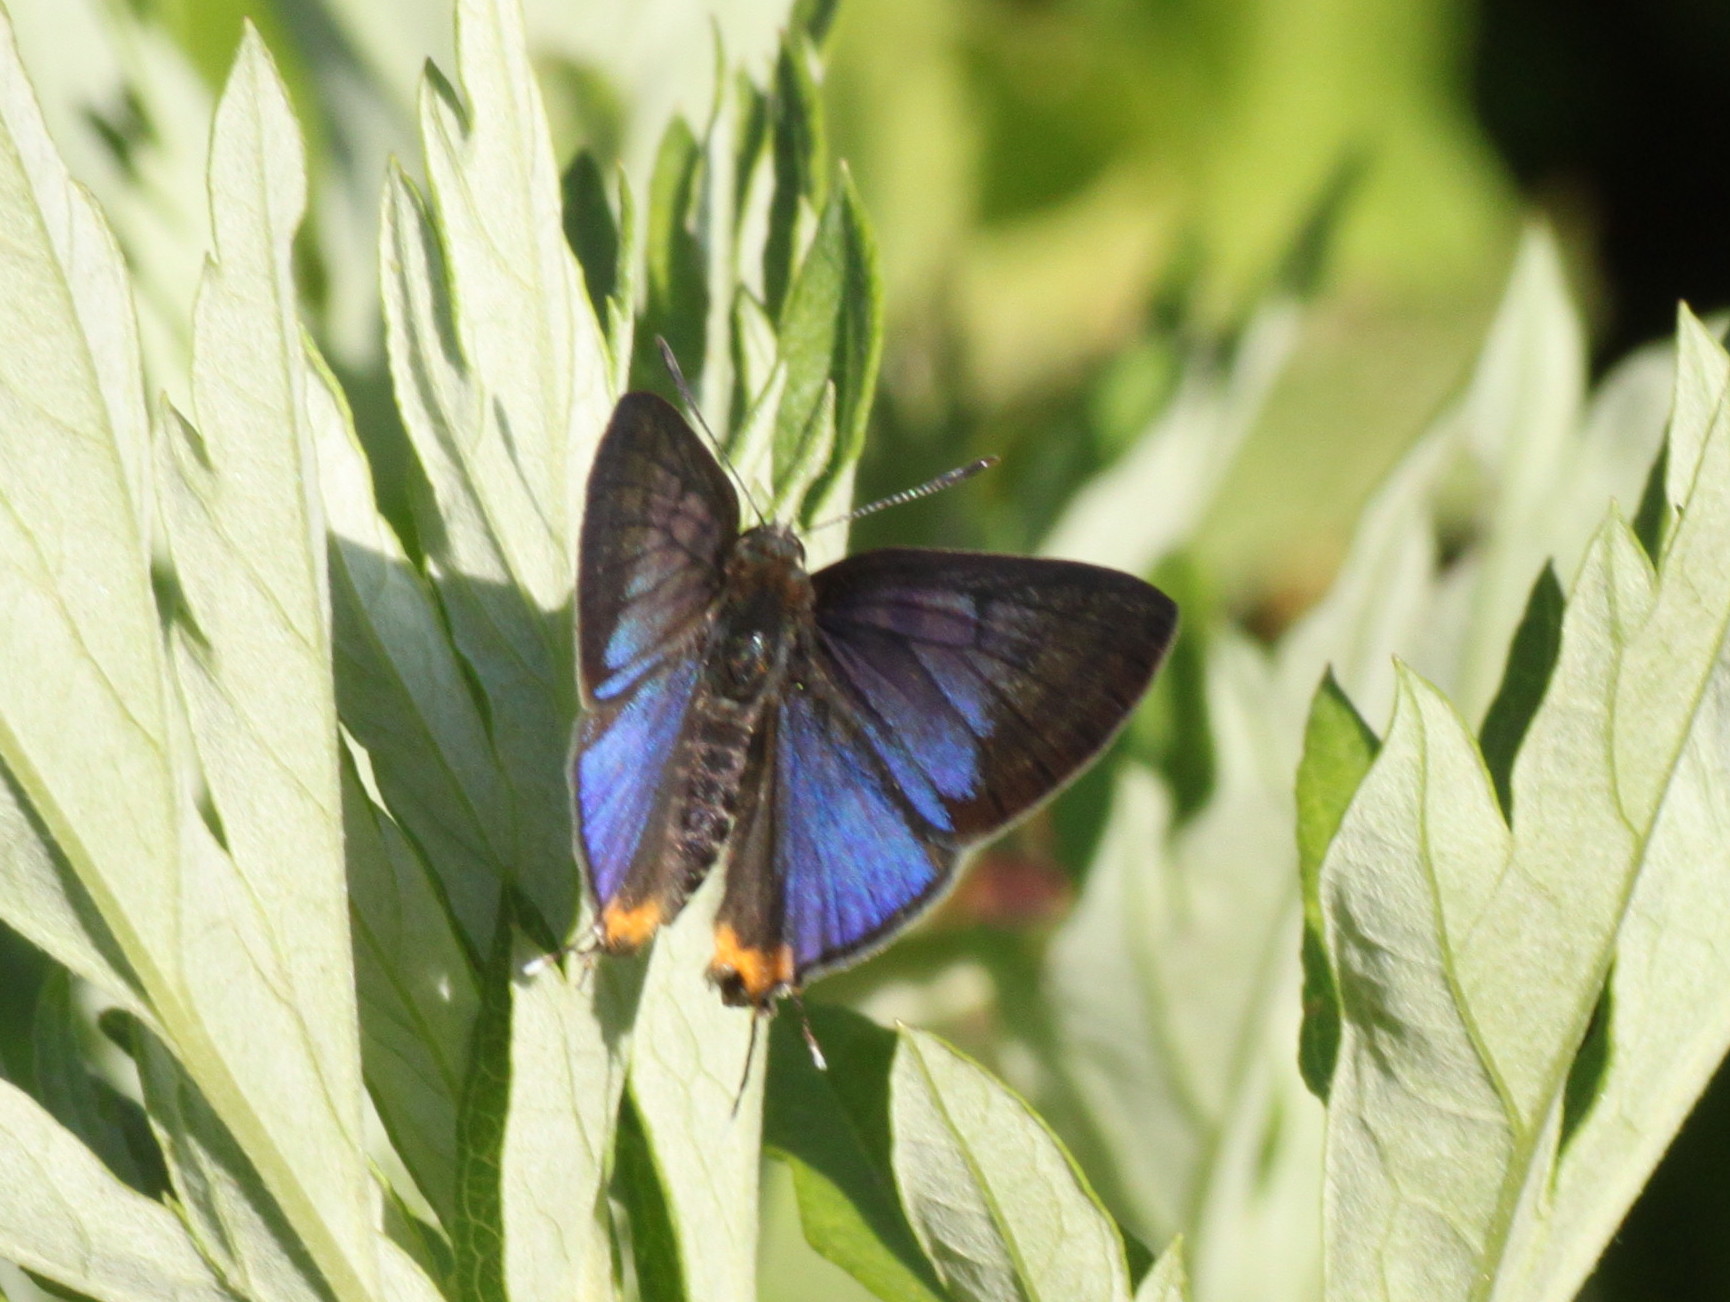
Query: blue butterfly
843, 735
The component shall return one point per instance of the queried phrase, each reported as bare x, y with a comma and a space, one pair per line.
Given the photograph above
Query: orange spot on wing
624, 929
759, 971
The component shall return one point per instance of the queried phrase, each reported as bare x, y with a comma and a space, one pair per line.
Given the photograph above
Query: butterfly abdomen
744, 663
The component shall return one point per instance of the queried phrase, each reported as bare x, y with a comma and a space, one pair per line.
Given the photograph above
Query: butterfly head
768, 546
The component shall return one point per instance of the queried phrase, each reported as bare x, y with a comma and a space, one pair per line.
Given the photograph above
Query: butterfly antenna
948, 479
690, 401
750, 1057
817, 1058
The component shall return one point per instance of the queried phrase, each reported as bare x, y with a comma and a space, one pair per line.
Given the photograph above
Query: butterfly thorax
763, 610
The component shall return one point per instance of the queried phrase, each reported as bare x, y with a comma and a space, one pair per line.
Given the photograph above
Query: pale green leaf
400, 688
1472, 958
523, 322
1415, 1152
265, 949
997, 1204
502, 374
566, 1073
64, 1216
237, 1224
417, 994
1152, 498
103, 73
1168, 1281
1392, 595
80, 635
701, 1115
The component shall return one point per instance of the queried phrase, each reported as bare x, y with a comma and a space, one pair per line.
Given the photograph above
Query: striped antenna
948, 479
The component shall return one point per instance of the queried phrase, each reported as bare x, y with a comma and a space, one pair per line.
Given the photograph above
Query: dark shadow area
1614, 116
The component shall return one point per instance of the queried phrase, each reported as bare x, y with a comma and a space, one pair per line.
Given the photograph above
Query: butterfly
842, 736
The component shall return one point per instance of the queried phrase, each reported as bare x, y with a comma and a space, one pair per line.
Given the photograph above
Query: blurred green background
1070, 197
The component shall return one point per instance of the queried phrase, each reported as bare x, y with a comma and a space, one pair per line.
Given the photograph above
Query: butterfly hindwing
831, 857
986, 682
658, 519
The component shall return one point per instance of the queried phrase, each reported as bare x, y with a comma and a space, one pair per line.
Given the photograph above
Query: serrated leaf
64, 1216
80, 637
830, 333
999, 1207
1338, 750
701, 1116
1168, 1281
831, 1127
401, 689
566, 1074
417, 992
1478, 955
265, 947
502, 374
1209, 1005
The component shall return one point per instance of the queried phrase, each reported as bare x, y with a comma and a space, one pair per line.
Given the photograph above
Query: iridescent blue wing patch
855, 859
623, 747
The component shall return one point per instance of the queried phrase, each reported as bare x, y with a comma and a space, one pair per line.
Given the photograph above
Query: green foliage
284, 826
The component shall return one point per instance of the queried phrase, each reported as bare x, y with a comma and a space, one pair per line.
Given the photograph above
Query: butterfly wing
659, 517
942, 695
829, 857
986, 682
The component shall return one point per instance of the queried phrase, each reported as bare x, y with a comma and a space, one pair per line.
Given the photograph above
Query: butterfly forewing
659, 518
657, 524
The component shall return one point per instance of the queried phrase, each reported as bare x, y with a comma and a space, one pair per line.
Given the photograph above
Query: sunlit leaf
64, 1216
502, 373
265, 947
997, 1204
831, 1127
701, 1114
1472, 956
